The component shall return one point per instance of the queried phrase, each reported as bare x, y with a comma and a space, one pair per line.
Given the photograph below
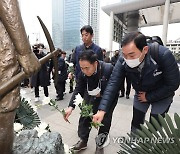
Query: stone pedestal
28, 142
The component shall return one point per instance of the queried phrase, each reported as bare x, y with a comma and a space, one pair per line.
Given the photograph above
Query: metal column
165, 21
111, 30
132, 21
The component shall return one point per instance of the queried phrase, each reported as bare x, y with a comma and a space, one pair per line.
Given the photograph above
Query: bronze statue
15, 51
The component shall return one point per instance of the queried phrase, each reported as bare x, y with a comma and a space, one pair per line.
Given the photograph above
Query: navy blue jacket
158, 80
78, 50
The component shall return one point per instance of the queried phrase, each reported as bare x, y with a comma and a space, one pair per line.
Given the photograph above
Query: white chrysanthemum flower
71, 64
22, 91
17, 127
78, 100
66, 149
41, 129
43, 125
46, 100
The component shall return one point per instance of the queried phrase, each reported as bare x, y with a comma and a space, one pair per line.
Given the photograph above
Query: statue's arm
11, 19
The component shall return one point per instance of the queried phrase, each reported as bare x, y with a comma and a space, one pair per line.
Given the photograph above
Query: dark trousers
139, 118
84, 123
128, 86
46, 93
60, 88
71, 84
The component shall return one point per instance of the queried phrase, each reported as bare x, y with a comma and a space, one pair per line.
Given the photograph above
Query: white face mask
133, 62
96, 91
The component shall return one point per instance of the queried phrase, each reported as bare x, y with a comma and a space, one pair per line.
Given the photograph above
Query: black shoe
80, 145
121, 95
59, 98
99, 150
127, 96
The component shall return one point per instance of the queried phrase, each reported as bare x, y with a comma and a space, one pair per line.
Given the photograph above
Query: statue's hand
29, 62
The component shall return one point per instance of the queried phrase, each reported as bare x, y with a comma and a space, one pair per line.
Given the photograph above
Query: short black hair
138, 38
63, 52
103, 50
88, 55
87, 28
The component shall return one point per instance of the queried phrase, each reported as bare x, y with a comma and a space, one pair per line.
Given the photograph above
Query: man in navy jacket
87, 35
92, 81
154, 80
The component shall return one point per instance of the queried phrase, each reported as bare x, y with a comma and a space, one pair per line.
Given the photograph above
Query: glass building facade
68, 17
75, 16
94, 13
58, 23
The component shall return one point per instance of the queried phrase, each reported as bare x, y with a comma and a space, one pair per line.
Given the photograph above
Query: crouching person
92, 81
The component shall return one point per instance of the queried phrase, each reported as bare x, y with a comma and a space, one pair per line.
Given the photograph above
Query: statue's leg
6, 132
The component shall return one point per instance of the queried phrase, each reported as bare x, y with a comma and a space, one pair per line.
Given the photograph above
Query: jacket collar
89, 47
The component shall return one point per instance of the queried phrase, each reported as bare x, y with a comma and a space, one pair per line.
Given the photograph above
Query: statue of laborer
15, 51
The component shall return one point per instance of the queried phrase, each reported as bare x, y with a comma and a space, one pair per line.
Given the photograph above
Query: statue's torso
8, 68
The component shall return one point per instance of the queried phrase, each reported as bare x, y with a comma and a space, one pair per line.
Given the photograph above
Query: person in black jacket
41, 78
105, 56
154, 80
92, 81
115, 57
62, 76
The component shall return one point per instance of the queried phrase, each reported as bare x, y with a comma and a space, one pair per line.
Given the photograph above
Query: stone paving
120, 123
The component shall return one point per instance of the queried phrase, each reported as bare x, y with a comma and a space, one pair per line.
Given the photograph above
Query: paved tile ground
120, 123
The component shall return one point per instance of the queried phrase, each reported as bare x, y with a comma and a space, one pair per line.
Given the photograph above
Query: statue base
28, 142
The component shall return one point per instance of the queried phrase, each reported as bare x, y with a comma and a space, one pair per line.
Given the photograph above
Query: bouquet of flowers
86, 110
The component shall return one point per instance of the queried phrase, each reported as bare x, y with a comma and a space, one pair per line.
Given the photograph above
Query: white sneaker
36, 99
46, 100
